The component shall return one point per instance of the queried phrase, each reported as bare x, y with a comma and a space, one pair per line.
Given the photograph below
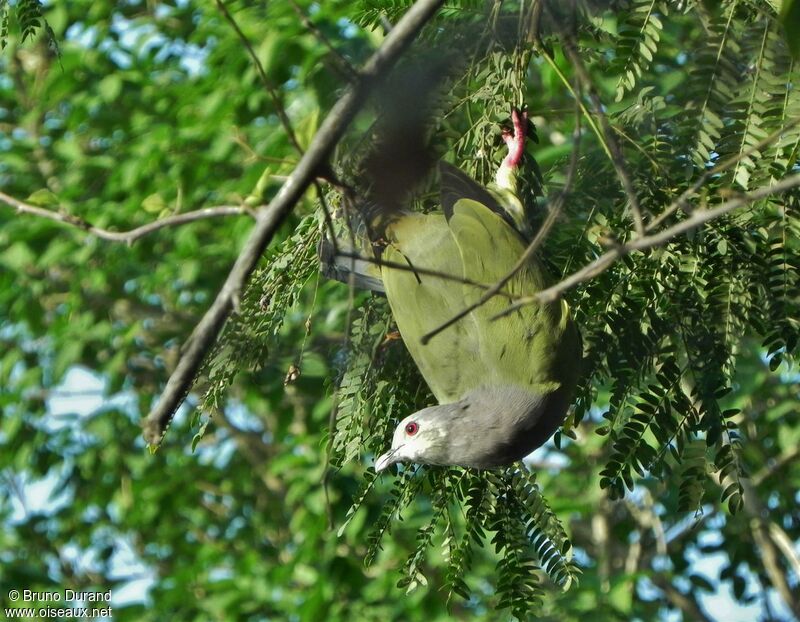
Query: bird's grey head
488, 428
421, 437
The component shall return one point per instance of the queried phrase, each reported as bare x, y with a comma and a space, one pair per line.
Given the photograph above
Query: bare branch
270, 218
681, 201
586, 114
698, 218
125, 236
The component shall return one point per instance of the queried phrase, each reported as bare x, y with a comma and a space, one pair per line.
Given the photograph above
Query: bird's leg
514, 138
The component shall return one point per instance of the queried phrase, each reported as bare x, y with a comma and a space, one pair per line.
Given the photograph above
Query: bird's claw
390, 336
514, 137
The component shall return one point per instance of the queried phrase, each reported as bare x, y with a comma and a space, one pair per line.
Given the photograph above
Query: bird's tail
347, 253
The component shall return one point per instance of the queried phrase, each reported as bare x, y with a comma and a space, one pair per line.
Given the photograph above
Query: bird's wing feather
450, 361
347, 268
455, 184
535, 348
522, 348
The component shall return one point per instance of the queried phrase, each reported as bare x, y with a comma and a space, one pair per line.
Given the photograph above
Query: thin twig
632, 141
126, 236
698, 218
268, 86
270, 218
348, 71
617, 158
586, 114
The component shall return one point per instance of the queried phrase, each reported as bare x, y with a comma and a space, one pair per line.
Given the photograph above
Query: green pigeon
503, 384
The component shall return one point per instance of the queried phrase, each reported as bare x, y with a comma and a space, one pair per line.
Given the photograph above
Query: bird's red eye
411, 428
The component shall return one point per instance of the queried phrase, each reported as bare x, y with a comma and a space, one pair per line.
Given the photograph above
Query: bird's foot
391, 336
514, 137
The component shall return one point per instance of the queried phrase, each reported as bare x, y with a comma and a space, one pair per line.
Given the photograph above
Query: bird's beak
386, 459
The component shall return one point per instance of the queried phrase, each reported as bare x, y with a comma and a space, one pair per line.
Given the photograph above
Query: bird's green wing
535, 346
457, 185
451, 362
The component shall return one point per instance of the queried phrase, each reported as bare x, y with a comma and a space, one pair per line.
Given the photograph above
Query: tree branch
699, 217
132, 235
270, 218
687, 604
786, 546
763, 531
682, 201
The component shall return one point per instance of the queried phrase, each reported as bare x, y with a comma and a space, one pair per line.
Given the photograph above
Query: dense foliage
261, 502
